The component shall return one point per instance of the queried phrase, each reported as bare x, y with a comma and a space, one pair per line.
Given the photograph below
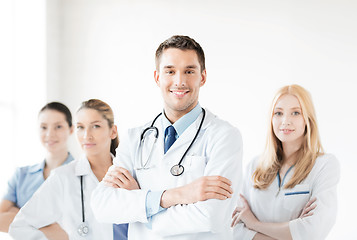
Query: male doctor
163, 187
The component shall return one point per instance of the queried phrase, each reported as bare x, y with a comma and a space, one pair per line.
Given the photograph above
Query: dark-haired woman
55, 127
65, 197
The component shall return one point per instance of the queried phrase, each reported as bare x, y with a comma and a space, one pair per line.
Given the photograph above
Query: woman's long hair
271, 159
107, 113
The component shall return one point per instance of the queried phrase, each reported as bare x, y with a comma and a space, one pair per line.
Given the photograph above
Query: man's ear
156, 76
203, 78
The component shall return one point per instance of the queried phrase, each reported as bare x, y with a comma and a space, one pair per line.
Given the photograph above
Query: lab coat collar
184, 122
83, 167
189, 134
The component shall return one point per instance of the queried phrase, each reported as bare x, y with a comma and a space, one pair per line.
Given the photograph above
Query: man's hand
118, 177
202, 189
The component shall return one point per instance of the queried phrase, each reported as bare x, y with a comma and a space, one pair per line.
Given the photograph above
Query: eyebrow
192, 66
97, 121
189, 66
169, 66
59, 122
278, 108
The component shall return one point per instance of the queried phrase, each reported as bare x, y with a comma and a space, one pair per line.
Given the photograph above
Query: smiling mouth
287, 130
179, 93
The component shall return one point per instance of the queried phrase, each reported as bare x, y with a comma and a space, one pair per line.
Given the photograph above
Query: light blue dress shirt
26, 181
153, 198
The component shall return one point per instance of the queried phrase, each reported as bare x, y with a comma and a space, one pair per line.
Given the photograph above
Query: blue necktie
170, 132
120, 231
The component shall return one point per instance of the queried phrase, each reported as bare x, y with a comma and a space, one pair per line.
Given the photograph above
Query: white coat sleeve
224, 159
240, 231
324, 189
43, 209
116, 205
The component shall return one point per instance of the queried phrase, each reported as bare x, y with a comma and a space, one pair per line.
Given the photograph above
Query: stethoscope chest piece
83, 229
177, 170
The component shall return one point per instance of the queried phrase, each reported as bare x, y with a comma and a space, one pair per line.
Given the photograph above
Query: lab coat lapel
82, 167
160, 141
176, 151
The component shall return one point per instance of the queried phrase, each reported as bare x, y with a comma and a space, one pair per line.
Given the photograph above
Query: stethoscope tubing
83, 227
82, 200
193, 140
179, 168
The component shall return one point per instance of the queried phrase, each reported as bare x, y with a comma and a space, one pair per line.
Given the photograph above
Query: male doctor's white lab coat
216, 151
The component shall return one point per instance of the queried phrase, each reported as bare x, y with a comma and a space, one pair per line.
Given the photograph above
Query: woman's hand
118, 177
308, 209
54, 232
244, 214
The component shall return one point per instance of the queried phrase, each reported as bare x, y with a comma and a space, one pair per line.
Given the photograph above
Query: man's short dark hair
182, 43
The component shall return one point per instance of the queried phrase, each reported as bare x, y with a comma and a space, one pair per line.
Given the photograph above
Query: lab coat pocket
194, 167
296, 198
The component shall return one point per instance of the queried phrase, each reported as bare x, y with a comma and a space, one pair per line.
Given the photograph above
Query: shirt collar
37, 167
184, 122
40, 166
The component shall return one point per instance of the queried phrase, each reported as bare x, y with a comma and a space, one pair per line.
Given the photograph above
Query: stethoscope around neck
175, 170
83, 228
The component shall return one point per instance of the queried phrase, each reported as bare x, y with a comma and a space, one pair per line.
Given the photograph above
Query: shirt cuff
10, 197
153, 203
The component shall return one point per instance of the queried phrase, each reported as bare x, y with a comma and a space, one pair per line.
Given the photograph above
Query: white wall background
22, 84
105, 49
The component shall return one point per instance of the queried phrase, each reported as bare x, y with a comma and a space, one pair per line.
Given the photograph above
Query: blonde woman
289, 192
65, 196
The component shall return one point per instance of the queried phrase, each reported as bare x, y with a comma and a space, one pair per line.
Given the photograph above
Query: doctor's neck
56, 159
100, 163
173, 114
289, 153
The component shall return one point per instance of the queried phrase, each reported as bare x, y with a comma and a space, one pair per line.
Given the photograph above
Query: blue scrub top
26, 181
